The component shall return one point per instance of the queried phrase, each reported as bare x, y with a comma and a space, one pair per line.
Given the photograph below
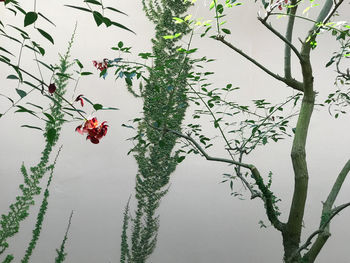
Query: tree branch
285, 40
327, 215
266, 195
290, 82
289, 35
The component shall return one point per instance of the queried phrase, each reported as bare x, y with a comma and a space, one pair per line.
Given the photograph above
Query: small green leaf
85, 73
98, 18
178, 20
31, 127
109, 108
121, 26
50, 118
220, 8
12, 77
79, 8
120, 44
21, 93
107, 21
46, 35
79, 63
49, 67
127, 126
180, 159
48, 20
115, 10
212, 4
226, 31
1, 48
30, 18
128, 81
92, 2
37, 106
98, 106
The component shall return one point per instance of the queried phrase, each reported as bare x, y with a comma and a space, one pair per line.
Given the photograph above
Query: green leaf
98, 18
180, 159
220, 8
30, 18
12, 77
121, 26
50, 135
50, 118
128, 81
45, 65
107, 21
226, 31
41, 50
12, 38
98, 106
37, 106
79, 8
20, 30
264, 140
178, 20
72, 109
120, 44
18, 73
20, 9
85, 73
23, 109
48, 20
212, 4
109, 108
8, 98
116, 10
31, 127
21, 93
46, 35
79, 63
94, 2
127, 126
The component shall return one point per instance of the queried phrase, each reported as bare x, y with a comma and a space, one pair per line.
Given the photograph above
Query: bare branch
289, 34
279, 35
290, 82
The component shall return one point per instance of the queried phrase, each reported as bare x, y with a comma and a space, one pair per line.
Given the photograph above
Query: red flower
52, 86
101, 65
80, 98
95, 132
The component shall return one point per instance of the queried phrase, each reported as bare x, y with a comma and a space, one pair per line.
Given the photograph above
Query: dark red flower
101, 65
52, 88
80, 98
95, 132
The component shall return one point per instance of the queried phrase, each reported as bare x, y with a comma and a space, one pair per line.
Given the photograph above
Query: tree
291, 230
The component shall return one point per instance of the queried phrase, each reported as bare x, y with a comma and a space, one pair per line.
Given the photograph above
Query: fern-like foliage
10, 222
40, 216
8, 259
165, 103
61, 254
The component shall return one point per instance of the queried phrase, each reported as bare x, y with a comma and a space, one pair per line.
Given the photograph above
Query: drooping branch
290, 82
265, 194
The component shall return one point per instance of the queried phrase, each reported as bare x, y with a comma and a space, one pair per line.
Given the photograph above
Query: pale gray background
200, 221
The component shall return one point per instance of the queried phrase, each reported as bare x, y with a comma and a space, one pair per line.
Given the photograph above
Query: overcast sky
199, 220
